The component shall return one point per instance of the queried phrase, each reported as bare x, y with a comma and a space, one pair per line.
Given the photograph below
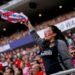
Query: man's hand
27, 24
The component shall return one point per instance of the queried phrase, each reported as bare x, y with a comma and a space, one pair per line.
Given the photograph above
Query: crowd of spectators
27, 61
22, 62
16, 36
55, 20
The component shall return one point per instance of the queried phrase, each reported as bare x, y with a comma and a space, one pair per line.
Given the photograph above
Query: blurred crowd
15, 36
27, 60
22, 62
56, 20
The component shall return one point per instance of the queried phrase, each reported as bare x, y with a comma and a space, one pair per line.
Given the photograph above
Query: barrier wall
21, 42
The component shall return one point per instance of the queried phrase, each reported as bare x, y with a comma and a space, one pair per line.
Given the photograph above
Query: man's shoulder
61, 41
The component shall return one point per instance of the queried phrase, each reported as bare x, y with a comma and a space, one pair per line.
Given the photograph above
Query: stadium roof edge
13, 4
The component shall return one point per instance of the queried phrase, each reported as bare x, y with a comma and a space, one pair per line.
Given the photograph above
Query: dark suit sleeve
36, 37
63, 51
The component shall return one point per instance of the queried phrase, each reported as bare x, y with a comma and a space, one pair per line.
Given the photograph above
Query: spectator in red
1, 69
17, 63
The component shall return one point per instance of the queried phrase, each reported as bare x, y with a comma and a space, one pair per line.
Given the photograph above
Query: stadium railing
71, 72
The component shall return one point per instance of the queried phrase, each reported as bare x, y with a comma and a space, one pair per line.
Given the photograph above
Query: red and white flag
13, 16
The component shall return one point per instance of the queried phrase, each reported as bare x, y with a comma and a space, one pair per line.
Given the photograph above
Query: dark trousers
54, 69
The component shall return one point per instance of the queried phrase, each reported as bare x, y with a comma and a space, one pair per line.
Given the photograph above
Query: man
51, 46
